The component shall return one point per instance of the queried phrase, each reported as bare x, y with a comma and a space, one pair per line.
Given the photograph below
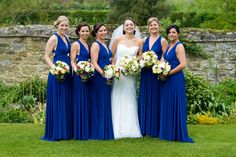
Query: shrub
34, 86
8, 94
28, 102
199, 94
14, 116
207, 119
38, 113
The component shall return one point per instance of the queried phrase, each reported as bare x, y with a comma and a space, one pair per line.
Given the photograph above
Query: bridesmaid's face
84, 32
62, 27
102, 33
129, 27
153, 27
173, 34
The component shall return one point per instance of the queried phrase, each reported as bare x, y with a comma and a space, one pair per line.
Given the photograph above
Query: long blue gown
59, 101
81, 100
173, 103
101, 118
149, 95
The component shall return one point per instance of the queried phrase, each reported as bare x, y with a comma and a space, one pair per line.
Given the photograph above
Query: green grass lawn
23, 140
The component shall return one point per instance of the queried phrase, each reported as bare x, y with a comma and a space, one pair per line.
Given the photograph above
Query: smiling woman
101, 122
80, 53
59, 108
124, 103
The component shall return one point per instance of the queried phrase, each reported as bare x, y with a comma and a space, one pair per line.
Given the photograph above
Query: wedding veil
119, 31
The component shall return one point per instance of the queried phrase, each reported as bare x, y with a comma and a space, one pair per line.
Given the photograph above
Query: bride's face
102, 33
153, 27
129, 27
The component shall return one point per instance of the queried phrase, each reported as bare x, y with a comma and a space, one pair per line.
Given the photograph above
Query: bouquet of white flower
129, 65
60, 69
85, 70
162, 67
149, 58
110, 72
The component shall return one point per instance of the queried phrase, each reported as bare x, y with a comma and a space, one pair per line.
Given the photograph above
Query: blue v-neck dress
149, 94
58, 101
81, 100
101, 118
173, 103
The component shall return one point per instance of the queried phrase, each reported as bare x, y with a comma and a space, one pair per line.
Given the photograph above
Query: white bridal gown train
124, 100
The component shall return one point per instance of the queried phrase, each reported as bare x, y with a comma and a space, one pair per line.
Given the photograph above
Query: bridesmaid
149, 91
80, 52
173, 103
101, 120
59, 108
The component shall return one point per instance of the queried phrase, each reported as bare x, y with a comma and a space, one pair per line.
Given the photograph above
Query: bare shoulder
180, 47
94, 45
119, 38
53, 38
139, 41
75, 44
163, 39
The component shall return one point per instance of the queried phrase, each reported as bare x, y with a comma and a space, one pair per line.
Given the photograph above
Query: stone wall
22, 53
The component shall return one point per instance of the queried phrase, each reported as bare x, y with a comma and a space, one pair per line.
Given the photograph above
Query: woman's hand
113, 61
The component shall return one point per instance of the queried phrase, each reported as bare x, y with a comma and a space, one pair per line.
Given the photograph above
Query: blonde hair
151, 19
60, 19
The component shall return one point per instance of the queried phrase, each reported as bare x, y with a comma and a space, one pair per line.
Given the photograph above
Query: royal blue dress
101, 118
149, 95
173, 103
59, 101
81, 99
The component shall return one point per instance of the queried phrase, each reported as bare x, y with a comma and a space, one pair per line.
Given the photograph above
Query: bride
123, 96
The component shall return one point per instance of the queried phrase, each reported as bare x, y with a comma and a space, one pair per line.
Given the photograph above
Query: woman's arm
75, 49
113, 50
50, 46
140, 51
164, 45
94, 57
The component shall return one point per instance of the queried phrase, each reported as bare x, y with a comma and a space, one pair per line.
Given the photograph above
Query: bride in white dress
123, 96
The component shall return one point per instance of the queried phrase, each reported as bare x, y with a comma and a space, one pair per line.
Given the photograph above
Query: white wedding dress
124, 101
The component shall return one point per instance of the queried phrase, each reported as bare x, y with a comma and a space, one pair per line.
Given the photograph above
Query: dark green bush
28, 102
75, 16
8, 94
225, 92
15, 116
201, 98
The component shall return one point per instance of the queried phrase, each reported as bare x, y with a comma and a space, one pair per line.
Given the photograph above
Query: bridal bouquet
162, 67
129, 65
110, 72
149, 58
85, 70
60, 69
